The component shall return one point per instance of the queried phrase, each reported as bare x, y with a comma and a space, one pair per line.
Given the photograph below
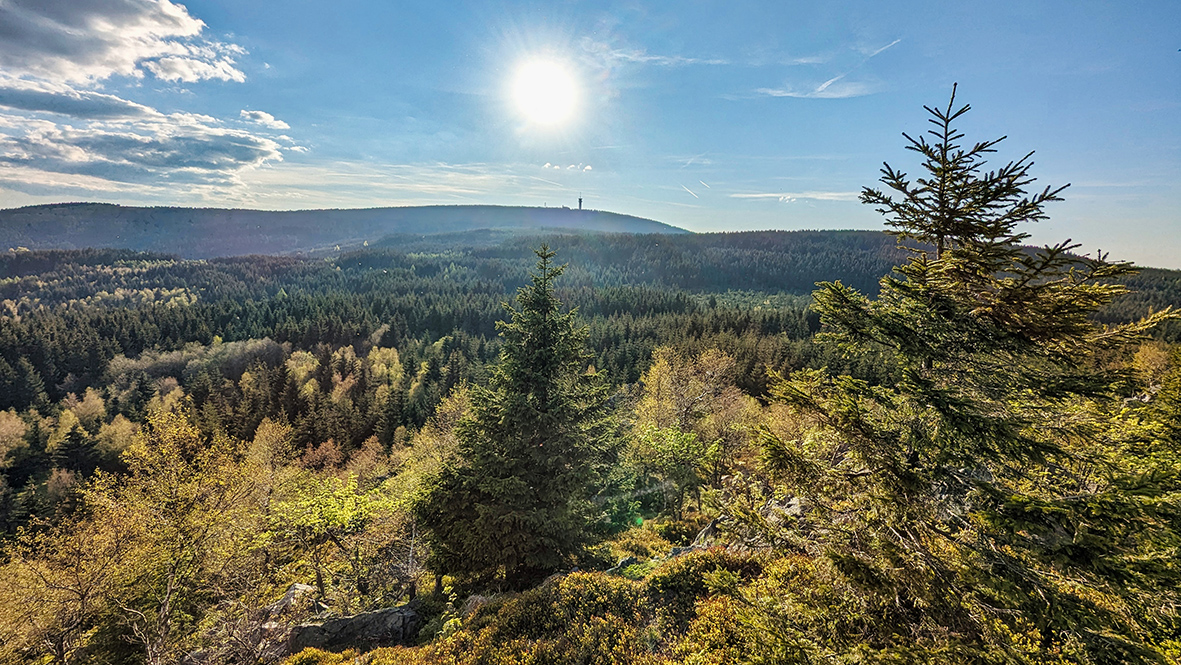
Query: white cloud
59, 132
699, 159
809, 60
572, 167
834, 88
319, 184
610, 56
178, 151
191, 70
790, 197
349, 184
265, 119
91, 40
46, 97
879, 50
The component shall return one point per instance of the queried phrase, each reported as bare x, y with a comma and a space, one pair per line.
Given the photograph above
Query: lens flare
545, 92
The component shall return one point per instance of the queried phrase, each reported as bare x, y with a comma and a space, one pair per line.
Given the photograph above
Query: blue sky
706, 115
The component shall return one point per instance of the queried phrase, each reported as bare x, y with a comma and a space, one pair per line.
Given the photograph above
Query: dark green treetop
514, 501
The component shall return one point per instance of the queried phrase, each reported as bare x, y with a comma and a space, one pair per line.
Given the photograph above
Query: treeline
773, 262
49, 352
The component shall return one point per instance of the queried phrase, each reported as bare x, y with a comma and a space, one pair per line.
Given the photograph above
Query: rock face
388, 627
294, 593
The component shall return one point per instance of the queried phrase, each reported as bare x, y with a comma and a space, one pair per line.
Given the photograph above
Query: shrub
681, 531
582, 618
675, 587
318, 657
643, 543
716, 636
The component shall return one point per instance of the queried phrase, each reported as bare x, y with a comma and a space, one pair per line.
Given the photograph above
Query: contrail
690, 191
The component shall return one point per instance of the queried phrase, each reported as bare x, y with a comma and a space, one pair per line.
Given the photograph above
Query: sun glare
545, 92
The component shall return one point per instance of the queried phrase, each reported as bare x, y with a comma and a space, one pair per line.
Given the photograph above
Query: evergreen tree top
958, 203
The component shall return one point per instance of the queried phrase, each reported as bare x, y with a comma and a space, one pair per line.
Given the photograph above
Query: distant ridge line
67, 204
216, 232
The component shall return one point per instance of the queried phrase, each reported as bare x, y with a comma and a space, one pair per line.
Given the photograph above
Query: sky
710, 116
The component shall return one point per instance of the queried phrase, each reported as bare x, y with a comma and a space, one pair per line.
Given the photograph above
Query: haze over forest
210, 232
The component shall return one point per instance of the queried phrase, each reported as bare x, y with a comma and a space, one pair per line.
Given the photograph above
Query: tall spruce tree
513, 502
982, 509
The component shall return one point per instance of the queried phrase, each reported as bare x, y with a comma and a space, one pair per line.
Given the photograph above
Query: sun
545, 92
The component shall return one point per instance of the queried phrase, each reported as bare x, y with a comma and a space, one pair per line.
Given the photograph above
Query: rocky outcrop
388, 627
289, 599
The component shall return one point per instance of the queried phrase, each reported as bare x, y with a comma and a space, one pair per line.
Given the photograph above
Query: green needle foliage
983, 509
513, 504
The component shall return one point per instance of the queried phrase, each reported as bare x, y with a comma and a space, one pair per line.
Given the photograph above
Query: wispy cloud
352, 184
699, 159
608, 55
548, 182
47, 97
809, 60
791, 197
879, 50
835, 87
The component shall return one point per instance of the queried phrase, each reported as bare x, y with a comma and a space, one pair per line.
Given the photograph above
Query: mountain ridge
217, 232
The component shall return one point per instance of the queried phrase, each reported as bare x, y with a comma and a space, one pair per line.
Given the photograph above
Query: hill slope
211, 232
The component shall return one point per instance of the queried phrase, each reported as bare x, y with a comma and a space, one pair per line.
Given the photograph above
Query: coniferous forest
932, 445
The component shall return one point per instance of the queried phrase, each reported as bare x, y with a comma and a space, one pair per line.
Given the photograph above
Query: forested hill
212, 232
772, 262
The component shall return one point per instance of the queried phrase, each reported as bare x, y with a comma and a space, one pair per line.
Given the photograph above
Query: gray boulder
388, 627
289, 599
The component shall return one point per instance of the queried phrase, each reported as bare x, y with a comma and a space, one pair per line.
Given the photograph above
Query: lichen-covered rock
388, 627
289, 599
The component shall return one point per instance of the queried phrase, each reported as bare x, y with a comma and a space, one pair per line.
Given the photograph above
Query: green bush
675, 587
318, 657
716, 636
680, 531
642, 543
583, 618
599, 557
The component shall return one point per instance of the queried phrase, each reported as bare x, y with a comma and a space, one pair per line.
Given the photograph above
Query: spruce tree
982, 509
513, 503
76, 452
